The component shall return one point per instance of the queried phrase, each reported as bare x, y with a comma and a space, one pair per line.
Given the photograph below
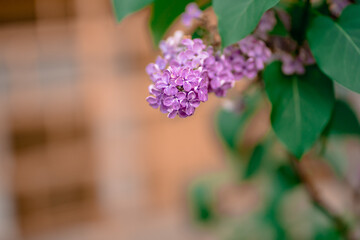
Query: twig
341, 226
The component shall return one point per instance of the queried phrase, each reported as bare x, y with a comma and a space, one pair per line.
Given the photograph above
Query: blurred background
83, 156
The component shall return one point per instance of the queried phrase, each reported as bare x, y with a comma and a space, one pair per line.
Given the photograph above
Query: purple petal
186, 19
166, 76
182, 57
250, 74
154, 91
151, 100
287, 69
193, 10
176, 105
203, 83
179, 81
182, 113
227, 85
191, 95
187, 42
168, 101
215, 83
180, 96
170, 90
164, 109
161, 84
203, 96
161, 63
259, 64
198, 47
172, 114
189, 110
198, 40
209, 61
153, 103
220, 92
184, 103
195, 103
187, 86
151, 68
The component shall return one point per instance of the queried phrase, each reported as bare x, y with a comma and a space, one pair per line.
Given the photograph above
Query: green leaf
199, 32
255, 161
298, 26
279, 29
336, 46
327, 234
238, 18
164, 13
323, 8
344, 121
228, 124
202, 201
283, 180
301, 106
122, 8
203, 5
286, 177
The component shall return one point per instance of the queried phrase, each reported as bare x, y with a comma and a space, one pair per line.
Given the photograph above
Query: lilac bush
290, 53
189, 70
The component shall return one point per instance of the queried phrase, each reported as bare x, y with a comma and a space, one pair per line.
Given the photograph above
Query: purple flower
244, 59
171, 47
337, 6
180, 81
165, 84
219, 73
154, 72
292, 65
266, 24
192, 11
190, 70
202, 88
173, 101
190, 103
296, 64
255, 49
306, 56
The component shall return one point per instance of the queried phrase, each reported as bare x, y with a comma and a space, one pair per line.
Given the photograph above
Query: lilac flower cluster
283, 47
243, 59
296, 64
189, 70
179, 80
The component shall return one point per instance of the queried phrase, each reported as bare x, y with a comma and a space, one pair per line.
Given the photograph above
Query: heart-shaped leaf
344, 120
336, 46
163, 15
301, 106
238, 18
255, 161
